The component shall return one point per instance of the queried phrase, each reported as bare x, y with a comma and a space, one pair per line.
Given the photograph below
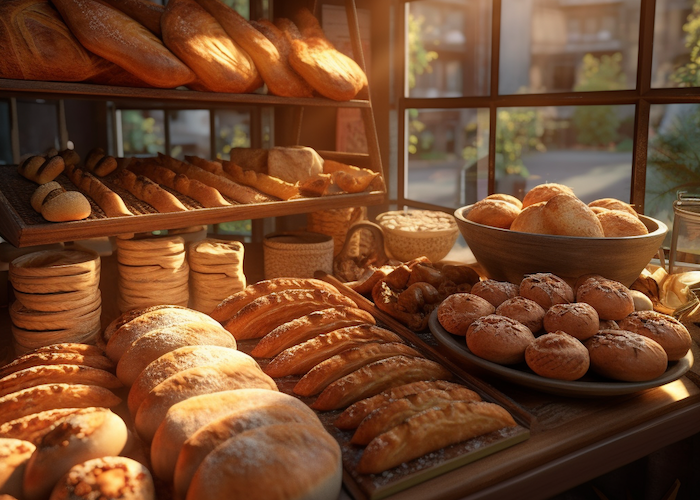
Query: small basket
297, 254
335, 222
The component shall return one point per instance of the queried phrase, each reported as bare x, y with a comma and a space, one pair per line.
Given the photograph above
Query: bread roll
460, 310
670, 333
265, 183
526, 311
59, 205
557, 355
611, 299
546, 289
14, 456
306, 460
618, 224
99, 163
113, 35
578, 319
68, 374
495, 213
499, 339
544, 192
530, 220
40, 169
495, 292
75, 439
106, 477
626, 356
568, 216
506, 197
613, 204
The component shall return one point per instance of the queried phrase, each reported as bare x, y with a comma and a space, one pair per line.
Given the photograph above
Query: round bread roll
544, 192
499, 339
608, 324
613, 204
526, 311
557, 355
106, 478
566, 215
74, 439
616, 224
626, 356
578, 319
459, 310
530, 220
505, 197
670, 333
546, 289
495, 292
14, 456
611, 299
495, 213
41, 192
65, 206
305, 459
641, 301
585, 277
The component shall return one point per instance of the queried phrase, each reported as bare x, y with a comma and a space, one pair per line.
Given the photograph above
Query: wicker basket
297, 254
335, 222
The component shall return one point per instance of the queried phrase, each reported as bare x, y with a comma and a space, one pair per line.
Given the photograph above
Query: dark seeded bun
670, 333
526, 311
626, 356
546, 289
557, 355
578, 319
499, 339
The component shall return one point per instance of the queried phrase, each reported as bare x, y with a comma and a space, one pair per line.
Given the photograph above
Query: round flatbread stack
152, 271
216, 271
58, 298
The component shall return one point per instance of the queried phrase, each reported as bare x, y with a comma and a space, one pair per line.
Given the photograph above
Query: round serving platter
577, 388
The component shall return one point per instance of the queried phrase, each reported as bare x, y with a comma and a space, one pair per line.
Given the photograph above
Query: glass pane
676, 44
5, 145
588, 148
189, 133
143, 132
232, 131
35, 139
447, 156
568, 45
449, 48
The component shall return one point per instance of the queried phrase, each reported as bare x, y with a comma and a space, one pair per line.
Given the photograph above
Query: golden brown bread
110, 202
611, 299
309, 325
431, 430
32, 427
40, 169
506, 197
349, 178
14, 456
130, 315
544, 192
613, 204
499, 339
460, 310
557, 355
99, 163
670, 333
495, 213
578, 319
71, 347
530, 220
546, 289
376, 377
115, 36
267, 184
146, 12
273, 66
197, 38
566, 215
60, 205
56, 358
300, 358
68, 374
150, 192
617, 223
627, 356
495, 292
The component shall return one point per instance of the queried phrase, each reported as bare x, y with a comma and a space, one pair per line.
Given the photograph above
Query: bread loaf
14, 456
670, 333
499, 339
557, 355
144, 11
578, 319
99, 163
38, 357
495, 213
32, 427
267, 184
110, 202
59, 205
617, 224
495, 292
611, 299
132, 314
566, 215
460, 310
546, 289
626, 356
545, 192
150, 192
46, 374
115, 36
294, 164
526, 311
530, 220
40, 169
219, 62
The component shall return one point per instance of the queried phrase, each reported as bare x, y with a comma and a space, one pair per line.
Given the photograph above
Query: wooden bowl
509, 255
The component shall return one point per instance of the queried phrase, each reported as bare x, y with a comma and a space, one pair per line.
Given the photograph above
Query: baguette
376, 377
150, 192
264, 314
335, 367
268, 184
349, 178
206, 195
110, 202
32, 427
113, 35
56, 374
431, 430
56, 358
273, 66
99, 163
237, 192
145, 12
71, 347
311, 324
40, 169
237, 301
300, 358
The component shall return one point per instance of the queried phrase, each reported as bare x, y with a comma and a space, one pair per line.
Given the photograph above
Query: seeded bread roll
626, 356
495, 213
14, 456
611, 299
526, 311
546, 289
670, 333
459, 310
578, 319
557, 355
499, 339
496, 292
58, 205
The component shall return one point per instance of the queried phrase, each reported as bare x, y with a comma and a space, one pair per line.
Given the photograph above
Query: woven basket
297, 254
335, 222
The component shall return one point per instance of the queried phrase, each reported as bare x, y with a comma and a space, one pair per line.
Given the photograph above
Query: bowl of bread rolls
552, 230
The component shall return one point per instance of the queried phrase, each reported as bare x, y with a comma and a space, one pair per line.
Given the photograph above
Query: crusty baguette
32, 427
206, 195
376, 377
349, 178
73, 347
397, 411
110, 202
150, 192
49, 396
265, 313
274, 186
330, 370
235, 191
431, 430
354, 414
300, 358
237, 301
309, 325
111, 34
219, 63
146, 12
55, 374
56, 358
274, 68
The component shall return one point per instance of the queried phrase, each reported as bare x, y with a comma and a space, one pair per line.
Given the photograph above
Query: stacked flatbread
152, 271
58, 298
216, 271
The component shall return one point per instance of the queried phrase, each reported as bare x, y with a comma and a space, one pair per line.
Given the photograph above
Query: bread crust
14, 456
48, 374
460, 310
499, 339
32, 427
273, 186
618, 224
627, 356
578, 319
495, 292
670, 333
566, 215
495, 213
545, 192
146, 12
546, 289
37, 358
110, 202
611, 299
526, 311
557, 355
146, 190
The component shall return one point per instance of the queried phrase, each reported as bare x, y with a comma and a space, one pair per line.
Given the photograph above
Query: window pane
189, 133
232, 131
676, 42
447, 156
449, 48
588, 148
143, 132
35, 139
568, 45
